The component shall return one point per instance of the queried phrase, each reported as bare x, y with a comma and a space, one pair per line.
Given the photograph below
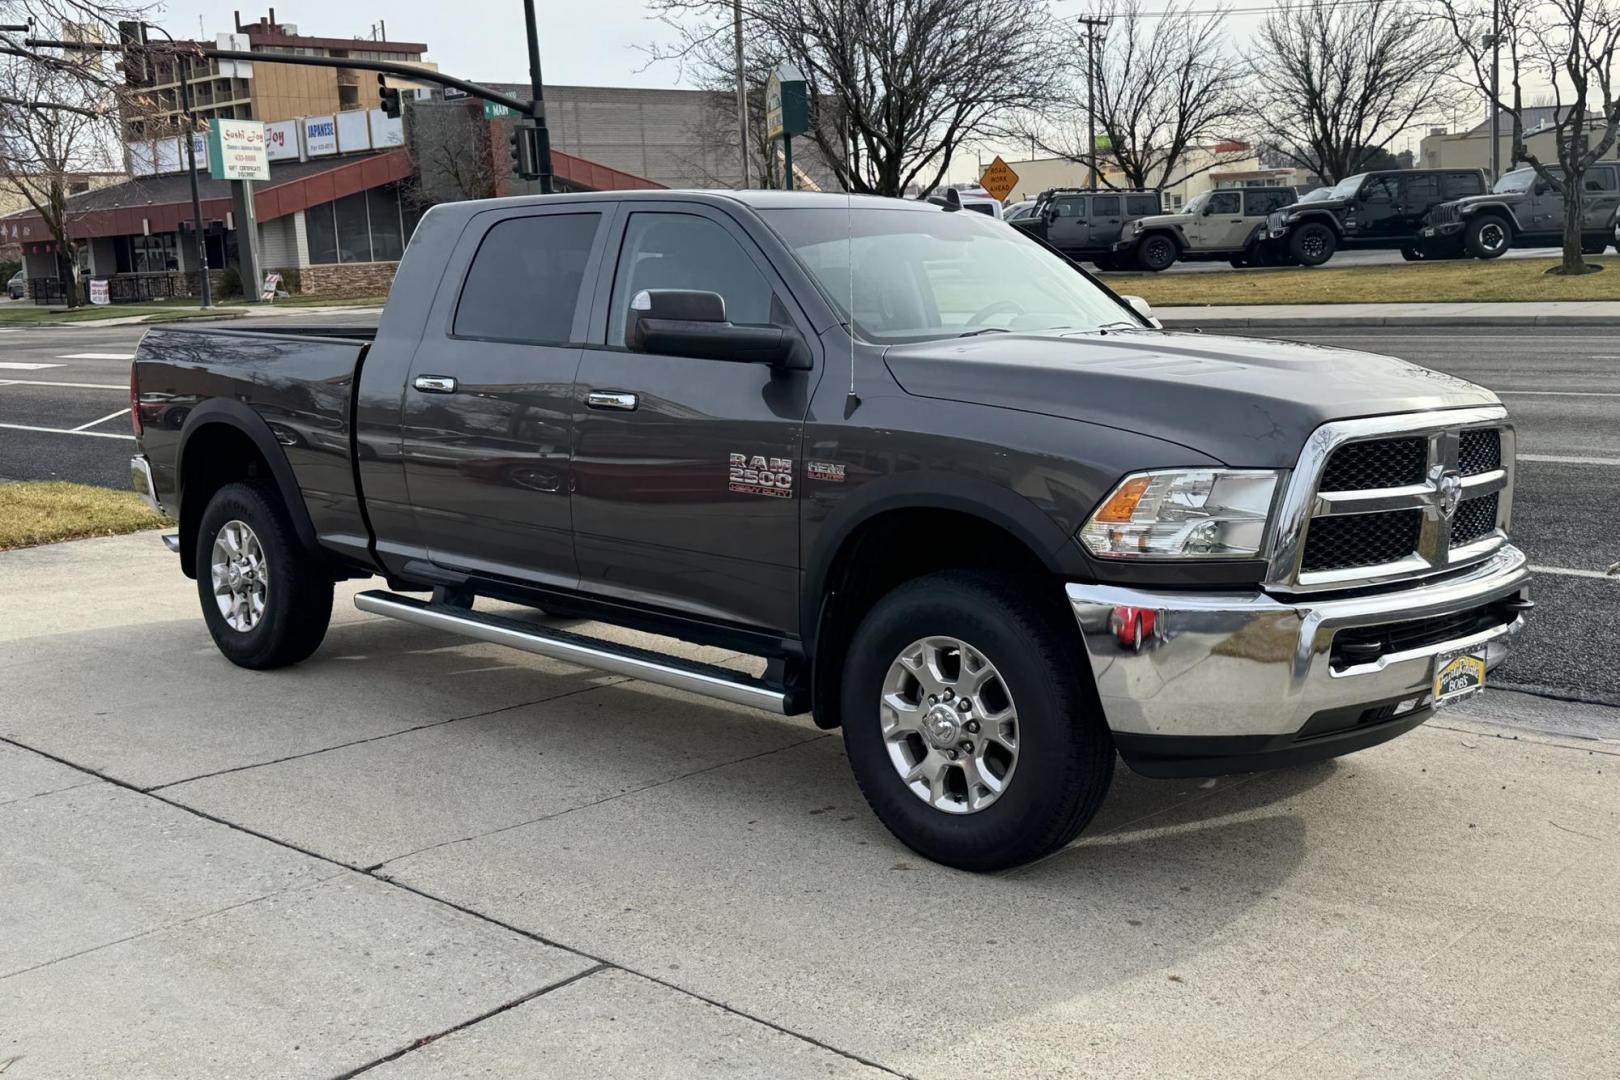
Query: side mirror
1144, 309
1209, 208
691, 322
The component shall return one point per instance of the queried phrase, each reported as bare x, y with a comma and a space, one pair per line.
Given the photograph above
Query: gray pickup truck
956, 496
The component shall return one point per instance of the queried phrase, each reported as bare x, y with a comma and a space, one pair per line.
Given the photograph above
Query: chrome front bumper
140, 478
1252, 665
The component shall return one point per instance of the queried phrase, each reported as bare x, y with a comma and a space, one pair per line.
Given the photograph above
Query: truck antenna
853, 400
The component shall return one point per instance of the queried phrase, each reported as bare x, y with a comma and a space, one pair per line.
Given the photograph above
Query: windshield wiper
1121, 325
985, 330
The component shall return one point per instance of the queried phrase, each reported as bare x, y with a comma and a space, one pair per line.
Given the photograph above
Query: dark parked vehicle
1368, 210
1523, 209
909, 458
1085, 225
17, 287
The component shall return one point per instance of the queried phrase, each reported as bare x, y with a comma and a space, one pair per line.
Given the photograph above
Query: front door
687, 471
488, 408
1377, 209
1068, 228
1222, 228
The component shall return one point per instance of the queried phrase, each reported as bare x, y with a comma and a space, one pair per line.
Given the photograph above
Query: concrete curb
1217, 322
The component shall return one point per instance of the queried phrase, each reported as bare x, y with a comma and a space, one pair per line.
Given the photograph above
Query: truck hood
1161, 220
1247, 403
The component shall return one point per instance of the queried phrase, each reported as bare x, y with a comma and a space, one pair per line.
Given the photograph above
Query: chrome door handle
435, 384
611, 399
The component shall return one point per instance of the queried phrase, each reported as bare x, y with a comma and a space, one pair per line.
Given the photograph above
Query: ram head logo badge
1450, 494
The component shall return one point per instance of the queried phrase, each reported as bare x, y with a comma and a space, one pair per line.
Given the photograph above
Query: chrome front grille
1395, 497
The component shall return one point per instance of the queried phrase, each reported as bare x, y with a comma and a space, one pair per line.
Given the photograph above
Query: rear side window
1456, 185
1262, 201
525, 279
1141, 205
1422, 190
1105, 205
1599, 179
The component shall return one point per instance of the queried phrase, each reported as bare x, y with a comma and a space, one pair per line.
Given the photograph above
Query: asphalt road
1563, 387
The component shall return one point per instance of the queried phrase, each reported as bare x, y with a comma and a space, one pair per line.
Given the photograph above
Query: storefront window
322, 233
364, 227
354, 240
387, 243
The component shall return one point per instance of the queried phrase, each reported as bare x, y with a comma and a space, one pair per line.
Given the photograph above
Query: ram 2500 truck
965, 502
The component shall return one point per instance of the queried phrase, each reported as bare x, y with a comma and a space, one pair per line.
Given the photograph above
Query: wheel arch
224, 440
1318, 217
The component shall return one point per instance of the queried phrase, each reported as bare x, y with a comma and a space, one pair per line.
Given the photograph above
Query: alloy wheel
241, 576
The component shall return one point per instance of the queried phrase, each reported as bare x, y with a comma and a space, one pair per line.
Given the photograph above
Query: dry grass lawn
43, 512
1449, 281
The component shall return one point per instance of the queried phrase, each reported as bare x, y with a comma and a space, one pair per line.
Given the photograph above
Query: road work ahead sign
998, 179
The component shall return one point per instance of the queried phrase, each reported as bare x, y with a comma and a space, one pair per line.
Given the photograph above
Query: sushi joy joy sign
236, 150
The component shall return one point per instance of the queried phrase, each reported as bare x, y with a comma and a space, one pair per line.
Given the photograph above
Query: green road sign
493, 111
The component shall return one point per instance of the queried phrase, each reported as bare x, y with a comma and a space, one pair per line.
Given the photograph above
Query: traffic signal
388, 97
132, 36
525, 146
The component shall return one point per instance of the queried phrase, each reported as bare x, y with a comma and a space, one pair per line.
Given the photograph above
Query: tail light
134, 403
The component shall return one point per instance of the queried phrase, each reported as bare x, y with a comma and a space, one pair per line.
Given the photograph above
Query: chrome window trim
1300, 500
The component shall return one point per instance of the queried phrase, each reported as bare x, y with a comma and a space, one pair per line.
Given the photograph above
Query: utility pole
182, 68
1094, 30
537, 102
742, 88
1496, 112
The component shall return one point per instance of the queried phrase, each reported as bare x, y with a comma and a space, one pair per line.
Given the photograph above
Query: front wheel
1156, 253
1313, 244
1413, 254
266, 602
969, 724
1487, 237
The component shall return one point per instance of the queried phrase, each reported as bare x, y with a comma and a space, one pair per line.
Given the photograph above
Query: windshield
1315, 195
1518, 180
1347, 188
1196, 205
919, 276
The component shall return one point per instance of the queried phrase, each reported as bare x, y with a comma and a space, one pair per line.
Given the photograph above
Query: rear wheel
1413, 254
266, 602
1156, 252
968, 725
1487, 236
1313, 244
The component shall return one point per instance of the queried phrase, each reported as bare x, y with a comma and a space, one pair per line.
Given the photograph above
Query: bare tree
59, 111
896, 86
1337, 80
1167, 87
1571, 47
712, 64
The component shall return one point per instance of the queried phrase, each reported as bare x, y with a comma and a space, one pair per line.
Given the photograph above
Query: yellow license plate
1458, 674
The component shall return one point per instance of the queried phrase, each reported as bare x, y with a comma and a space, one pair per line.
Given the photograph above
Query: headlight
1183, 513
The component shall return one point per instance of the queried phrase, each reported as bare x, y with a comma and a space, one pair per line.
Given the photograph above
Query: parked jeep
1368, 210
1084, 225
1226, 224
1523, 209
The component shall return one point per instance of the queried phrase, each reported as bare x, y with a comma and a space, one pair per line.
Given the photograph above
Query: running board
689, 675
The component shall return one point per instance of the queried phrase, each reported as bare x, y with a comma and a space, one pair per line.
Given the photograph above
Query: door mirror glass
692, 323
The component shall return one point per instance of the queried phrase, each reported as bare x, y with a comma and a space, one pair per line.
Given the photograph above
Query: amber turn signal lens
1122, 503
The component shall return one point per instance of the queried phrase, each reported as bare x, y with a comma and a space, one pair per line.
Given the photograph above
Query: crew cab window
525, 279
1105, 205
1457, 185
1380, 189
685, 251
1264, 201
1226, 202
1141, 205
1599, 180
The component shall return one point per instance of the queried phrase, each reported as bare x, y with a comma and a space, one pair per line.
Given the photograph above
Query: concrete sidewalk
1284, 316
415, 856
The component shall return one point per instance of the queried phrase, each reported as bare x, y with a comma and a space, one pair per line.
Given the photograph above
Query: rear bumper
140, 478
1238, 681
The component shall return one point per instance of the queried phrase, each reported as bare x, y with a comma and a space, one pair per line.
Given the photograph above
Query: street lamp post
182, 67
1094, 28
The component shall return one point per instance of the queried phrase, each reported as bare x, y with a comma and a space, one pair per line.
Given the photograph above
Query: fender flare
1318, 217
1500, 210
234, 414
1177, 237
999, 506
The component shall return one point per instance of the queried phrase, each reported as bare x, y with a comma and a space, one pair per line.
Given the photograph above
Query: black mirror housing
692, 323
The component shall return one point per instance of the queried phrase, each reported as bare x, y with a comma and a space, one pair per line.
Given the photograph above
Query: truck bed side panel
298, 385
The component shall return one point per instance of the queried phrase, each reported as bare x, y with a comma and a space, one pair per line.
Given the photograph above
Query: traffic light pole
537, 101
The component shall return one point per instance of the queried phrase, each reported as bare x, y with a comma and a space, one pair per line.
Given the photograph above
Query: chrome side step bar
689, 675
172, 542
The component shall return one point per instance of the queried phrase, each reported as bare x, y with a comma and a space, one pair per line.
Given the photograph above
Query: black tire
1413, 254
1066, 755
1313, 244
1488, 236
1238, 262
1156, 252
1593, 247
1105, 262
298, 594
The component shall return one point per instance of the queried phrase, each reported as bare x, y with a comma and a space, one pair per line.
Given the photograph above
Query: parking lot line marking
96, 356
103, 420
74, 385
18, 365
67, 431
1560, 459
1568, 571
1562, 393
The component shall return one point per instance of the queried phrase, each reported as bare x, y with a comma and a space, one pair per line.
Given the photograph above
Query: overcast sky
582, 42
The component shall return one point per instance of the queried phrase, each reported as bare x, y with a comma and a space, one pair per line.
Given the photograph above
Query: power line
1263, 9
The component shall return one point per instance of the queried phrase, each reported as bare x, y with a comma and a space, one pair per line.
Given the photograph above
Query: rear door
1418, 192
1068, 228
1601, 198
488, 412
1260, 203
1107, 215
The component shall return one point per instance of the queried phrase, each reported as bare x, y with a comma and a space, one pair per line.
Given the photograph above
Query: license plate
1458, 673
1429, 231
